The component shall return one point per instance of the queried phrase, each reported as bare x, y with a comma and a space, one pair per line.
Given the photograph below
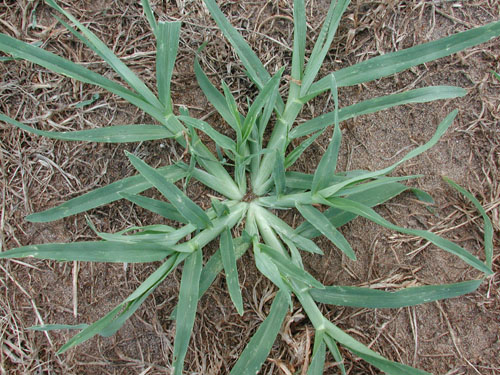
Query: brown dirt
454, 337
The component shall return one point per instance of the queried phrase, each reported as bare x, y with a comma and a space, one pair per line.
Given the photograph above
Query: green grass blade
442, 127
368, 213
488, 227
67, 68
286, 267
322, 45
54, 327
167, 44
150, 16
187, 306
379, 299
93, 42
229, 262
284, 230
321, 223
190, 210
255, 69
391, 63
328, 163
98, 251
496, 75
279, 174
269, 91
295, 154
299, 39
212, 94
164, 209
421, 95
220, 139
379, 181
104, 195
371, 198
268, 268
110, 134
317, 365
260, 344
334, 349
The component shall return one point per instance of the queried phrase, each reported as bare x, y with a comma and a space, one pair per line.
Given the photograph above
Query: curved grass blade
93, 42
212, 94
295, 154
260, 344
371, 198
334, 349
379, 299
321, 223
421, 95
167, 44
186, 207
442, 127
188, 301
328, 163
286, 267
368, 213
104, 195
150, 16
167, 210
269, 269
220, 139
110, 134
255, 69
228, 256
488, 227
391, 63
322, 45
67, 68
92, 251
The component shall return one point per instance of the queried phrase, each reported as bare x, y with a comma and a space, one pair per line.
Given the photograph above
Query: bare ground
454, 337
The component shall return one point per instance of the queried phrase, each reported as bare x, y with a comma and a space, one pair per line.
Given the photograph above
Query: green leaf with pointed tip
322, 45
233, 110
93, 42
229, 262
267, 267
187, 306
421, 95
186, 207
442, 127
150, 16
334, 349
286, 267
67, 68
488, 227
295, 154
92, 251
328, 163
104, 195
317, 365
370, 214
167, 44
496, 75
110, 134
167, 210
260, 344
379, 299
321, 223
391, 63
220, 139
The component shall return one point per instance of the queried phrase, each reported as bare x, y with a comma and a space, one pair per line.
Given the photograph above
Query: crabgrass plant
254, 180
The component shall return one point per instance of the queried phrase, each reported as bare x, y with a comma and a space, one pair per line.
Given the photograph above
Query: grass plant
255, 181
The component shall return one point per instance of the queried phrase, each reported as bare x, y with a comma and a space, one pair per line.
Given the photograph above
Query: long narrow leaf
98, 251
110, 134
188, 301
190, 210
167, 44
260, 344
150, 16
388, 64
321, 223
421, 95
167, 210
488, 227
379, 299
229, 262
